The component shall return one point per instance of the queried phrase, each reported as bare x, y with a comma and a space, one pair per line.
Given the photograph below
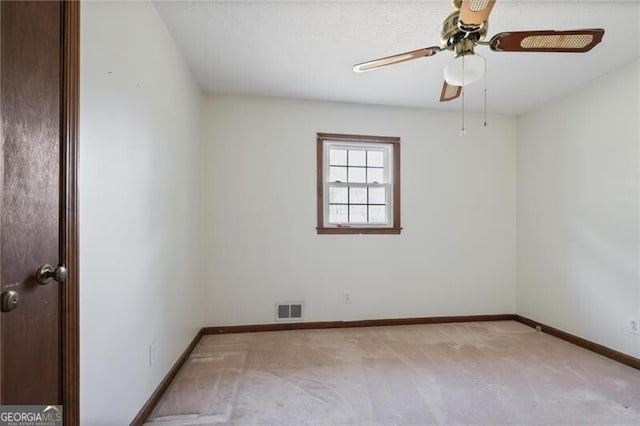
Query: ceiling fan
466, 27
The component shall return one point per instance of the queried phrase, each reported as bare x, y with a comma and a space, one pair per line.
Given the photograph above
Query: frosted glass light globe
473, 70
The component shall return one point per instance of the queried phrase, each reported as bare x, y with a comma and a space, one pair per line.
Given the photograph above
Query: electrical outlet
153, 355
633, 326
346, 298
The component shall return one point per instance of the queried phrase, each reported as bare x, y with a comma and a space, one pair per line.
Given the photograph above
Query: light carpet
484, 373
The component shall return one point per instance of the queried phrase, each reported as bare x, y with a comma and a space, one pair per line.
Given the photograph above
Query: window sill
358, 230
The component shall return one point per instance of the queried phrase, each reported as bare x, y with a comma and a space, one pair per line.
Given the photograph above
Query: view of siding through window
358, 184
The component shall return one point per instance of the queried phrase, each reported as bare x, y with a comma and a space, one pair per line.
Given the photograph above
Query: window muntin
358, 184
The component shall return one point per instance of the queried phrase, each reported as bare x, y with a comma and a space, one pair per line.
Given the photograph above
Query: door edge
70, 99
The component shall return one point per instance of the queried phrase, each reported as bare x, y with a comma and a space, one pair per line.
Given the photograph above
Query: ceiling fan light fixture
464, 70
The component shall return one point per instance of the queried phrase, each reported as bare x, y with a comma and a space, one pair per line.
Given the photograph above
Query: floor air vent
289, 311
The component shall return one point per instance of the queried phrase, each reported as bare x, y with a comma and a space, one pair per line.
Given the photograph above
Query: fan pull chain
485, 91
462, 131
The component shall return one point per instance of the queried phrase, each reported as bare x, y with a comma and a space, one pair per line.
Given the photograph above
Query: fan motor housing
451, 34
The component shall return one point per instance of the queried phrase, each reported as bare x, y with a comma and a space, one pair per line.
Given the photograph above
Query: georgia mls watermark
30, 415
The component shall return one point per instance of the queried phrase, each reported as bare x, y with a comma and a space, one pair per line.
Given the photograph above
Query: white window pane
338, 195
377, 214
358, 195
357, 158
375, 175
377, 195
351, 167
338, 214
375, 158
358, 214
338, 157
357, 174
337, 174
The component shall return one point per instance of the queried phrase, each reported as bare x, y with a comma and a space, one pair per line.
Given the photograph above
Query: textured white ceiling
306, 49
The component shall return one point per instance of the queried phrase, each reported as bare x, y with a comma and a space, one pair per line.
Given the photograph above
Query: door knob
45, 273
10, 300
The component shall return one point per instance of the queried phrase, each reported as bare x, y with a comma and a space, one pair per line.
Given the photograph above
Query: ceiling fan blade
449, 92
474, 12
578, 41
389, 60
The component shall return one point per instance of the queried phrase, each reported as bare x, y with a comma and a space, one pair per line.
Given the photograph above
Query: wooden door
38, 341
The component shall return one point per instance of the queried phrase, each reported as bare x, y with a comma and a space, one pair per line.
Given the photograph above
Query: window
358, 184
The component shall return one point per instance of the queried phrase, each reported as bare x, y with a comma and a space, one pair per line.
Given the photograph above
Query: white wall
578, 211
455, 255
138, 208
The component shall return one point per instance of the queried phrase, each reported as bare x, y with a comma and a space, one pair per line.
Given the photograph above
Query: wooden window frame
356, 229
